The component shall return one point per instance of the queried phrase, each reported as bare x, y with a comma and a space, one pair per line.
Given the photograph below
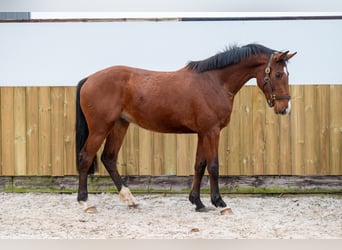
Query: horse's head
273, 81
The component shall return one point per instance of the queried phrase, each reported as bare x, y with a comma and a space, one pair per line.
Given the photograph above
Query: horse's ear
289, 56
283, 56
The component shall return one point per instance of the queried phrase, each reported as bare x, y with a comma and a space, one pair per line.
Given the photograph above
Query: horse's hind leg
109, 159
86, 157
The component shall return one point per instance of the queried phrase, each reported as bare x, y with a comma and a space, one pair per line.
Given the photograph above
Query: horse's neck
235, 76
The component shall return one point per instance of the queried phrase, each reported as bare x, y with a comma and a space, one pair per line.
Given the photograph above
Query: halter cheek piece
267, 82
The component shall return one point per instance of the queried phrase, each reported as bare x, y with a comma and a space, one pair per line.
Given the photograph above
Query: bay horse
197, 98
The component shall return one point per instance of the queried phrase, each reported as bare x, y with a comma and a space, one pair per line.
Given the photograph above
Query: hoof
91, 210
226, 211
218, 202
202, 210
88, 207
134, 205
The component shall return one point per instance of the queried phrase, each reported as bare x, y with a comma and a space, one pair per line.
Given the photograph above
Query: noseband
267, 82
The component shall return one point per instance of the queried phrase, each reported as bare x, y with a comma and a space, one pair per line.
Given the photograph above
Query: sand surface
59, 216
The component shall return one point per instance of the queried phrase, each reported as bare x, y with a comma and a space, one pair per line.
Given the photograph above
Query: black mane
231, 55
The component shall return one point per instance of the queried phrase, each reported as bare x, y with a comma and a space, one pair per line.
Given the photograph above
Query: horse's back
160, 101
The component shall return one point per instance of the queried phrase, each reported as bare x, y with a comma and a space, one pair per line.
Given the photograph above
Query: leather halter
267, 82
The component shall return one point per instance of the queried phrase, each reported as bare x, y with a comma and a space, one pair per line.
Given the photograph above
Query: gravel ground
158, 216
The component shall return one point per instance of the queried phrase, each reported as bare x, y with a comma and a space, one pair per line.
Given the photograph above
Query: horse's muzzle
285, 111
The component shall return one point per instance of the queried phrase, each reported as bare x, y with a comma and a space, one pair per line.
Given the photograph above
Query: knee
213, 166
213, 169
200, 168
83, 162
108, 159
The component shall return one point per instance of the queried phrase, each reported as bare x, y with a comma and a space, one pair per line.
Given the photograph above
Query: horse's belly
163, 125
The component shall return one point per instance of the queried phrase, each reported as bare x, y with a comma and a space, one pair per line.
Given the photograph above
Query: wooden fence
37, 136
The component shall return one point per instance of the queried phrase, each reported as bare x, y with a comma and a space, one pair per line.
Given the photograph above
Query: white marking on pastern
126, 196
88, 207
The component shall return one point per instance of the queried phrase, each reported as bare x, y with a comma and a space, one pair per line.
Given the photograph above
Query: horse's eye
278, 75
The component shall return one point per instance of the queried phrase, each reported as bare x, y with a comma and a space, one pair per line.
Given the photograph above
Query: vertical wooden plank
69, 131
284, 146
123, 156
223, 152
258, 124
271, 142
246, 131
311, 145
335, 130
192, 153
57, 129
323, 123
19, 110
32, 130
145, 148
182, 148
101, 168
170, 154
44, 131
157, 154
121, 161
234, 138
7, 131
131, 150
297, 129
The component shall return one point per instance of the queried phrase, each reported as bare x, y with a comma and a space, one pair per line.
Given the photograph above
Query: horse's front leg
210, 142
200, 165
213, 170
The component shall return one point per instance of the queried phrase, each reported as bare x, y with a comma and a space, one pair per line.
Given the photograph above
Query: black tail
82, 131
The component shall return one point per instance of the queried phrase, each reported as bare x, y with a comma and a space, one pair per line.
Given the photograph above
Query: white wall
167, 5
63, 53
